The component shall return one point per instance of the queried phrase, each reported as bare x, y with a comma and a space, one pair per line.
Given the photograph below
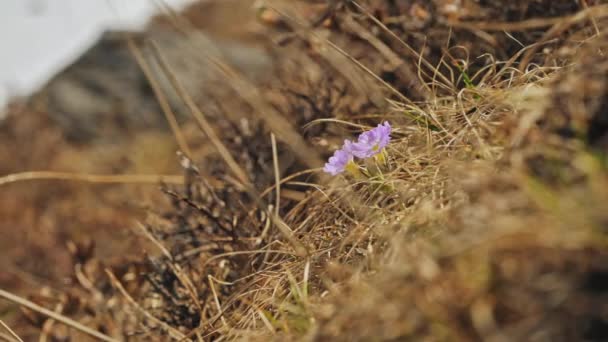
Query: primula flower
371, 142
337, 163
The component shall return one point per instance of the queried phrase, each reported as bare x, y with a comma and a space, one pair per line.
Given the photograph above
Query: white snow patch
41, 37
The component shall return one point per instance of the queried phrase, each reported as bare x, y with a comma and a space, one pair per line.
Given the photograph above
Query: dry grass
488, 221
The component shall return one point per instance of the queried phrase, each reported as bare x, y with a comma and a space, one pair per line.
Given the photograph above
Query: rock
105, 89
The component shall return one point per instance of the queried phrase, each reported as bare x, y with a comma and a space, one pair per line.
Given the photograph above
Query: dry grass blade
414, 53
282, 128
10, 331
272, 118
593, 20
154, 240
594, 13
48, 324
177, 270
59, 318
307, 30
8, 338
217, 301
277, 123
403, 69
588, 13
200, 117
174, 333
277, 175
91, 178
160, 96
288, 178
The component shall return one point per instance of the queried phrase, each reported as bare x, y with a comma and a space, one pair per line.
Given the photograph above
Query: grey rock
106, 88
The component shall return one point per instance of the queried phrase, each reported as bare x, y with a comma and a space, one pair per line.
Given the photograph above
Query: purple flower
339, 160
371, 142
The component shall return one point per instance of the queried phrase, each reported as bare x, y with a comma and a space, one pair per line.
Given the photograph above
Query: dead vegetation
488, 222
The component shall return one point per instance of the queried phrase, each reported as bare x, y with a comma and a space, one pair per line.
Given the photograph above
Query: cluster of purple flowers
367, 145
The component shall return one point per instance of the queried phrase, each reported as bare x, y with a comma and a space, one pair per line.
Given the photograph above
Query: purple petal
371, 142
338, 161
